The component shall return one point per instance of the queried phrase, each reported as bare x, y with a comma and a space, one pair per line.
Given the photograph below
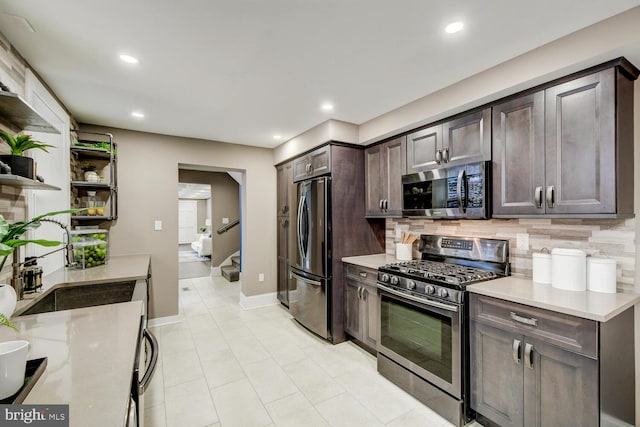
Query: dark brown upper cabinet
566, 150
464, 139
384, 166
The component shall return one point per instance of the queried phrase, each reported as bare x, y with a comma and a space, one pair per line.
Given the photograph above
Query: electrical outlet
522, 241
261, 277
157, 225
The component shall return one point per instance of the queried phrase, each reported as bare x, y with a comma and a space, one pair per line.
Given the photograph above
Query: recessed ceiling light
138, 115
129, 59
327, 107
277, 136
454, 27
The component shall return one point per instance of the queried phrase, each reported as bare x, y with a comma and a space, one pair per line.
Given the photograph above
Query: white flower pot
13, 362
91, 176
8, 299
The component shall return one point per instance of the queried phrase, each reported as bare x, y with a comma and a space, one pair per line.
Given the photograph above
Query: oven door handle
436, 304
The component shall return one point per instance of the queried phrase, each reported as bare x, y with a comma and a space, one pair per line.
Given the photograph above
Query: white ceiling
194, 191
241, 71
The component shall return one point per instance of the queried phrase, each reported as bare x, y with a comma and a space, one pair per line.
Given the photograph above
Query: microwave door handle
462, 204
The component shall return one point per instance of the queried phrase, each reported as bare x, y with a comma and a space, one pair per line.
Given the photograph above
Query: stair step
235, 260
231, 273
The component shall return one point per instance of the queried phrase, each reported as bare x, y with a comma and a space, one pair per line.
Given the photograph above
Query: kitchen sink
78, 296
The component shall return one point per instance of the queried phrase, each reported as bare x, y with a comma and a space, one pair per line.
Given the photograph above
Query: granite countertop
117, 268
371, 261
91, 352
585, 304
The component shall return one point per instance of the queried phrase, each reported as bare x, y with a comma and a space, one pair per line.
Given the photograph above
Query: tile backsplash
608, 238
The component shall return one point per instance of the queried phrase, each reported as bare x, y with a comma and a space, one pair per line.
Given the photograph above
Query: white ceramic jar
13, 363
8, 300
541, 268
569, 269
601, 275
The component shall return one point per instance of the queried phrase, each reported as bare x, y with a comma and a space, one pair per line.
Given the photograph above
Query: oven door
422, 335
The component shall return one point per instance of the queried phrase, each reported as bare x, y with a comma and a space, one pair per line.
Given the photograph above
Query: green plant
21, 143
86, 166
10, 233
6, 322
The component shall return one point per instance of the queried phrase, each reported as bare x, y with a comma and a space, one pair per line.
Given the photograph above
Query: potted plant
21, 165
90, 174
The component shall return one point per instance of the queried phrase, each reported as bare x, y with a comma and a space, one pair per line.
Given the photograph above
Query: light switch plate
225, 220
157, 225
261, 277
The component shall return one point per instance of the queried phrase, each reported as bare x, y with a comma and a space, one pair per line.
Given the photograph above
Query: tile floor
224, 366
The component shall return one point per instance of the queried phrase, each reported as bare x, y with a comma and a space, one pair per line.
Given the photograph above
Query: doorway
194, 231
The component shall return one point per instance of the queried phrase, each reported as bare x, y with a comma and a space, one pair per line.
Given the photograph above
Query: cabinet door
580, 145
320, 161
284, 180
560, 387
518, 156
496, 374
373, 172
467, 139
370, 318
352, 308
423, 148
301, 168
394, 165
283, 264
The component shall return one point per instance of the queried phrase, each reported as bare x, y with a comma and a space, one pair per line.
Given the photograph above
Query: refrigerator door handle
305, 280
299, 228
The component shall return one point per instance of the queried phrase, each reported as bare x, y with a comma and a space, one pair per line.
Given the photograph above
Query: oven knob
411, 284
394, 280
442, 293
384, 277
430, 289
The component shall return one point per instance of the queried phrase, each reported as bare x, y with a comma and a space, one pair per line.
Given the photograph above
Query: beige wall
225, 203
148, 191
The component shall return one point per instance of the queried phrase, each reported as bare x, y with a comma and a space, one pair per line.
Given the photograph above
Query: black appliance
310, 269
423, 345
456, 192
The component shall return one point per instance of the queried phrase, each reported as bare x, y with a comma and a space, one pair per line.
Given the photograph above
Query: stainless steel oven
423, 341
424, 336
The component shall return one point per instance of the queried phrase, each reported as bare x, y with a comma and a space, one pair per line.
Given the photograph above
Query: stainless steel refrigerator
310, 273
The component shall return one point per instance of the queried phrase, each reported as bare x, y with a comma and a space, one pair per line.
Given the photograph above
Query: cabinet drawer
365, 275
562, 330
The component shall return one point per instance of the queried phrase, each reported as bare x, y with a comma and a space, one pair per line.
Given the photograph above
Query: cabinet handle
528, 354
438, 156
550, 196
385, 204
445, 155
516, 351
381, 204
538, 197
531, 321
364, 294
363, 274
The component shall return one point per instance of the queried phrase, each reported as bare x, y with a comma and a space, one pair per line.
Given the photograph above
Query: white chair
203, 245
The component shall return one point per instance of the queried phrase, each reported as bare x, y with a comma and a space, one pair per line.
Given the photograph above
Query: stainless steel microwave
457, 192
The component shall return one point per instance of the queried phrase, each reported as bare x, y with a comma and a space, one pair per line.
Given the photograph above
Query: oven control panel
420, 289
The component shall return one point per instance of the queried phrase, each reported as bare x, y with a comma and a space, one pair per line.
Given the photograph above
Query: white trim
256, 301
163, 321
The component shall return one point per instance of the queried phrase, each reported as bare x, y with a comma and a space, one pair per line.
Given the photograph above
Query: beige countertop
370, 261
90, 353
586, 304
117, 268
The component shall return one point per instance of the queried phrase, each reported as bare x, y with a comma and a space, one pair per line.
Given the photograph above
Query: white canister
569, 269
541, 268
404, 251
601, 275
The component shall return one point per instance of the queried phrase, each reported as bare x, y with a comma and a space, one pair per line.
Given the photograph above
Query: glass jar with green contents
90, 247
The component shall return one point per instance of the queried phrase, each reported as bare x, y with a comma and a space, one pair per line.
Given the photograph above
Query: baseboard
163, 321
256, 301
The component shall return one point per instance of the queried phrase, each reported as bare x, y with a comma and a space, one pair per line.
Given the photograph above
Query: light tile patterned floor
224, 366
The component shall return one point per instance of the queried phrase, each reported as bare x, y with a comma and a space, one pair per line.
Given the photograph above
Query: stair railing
228, 227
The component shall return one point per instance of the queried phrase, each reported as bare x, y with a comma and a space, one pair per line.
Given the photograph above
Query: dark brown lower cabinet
361, 305
535, 367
